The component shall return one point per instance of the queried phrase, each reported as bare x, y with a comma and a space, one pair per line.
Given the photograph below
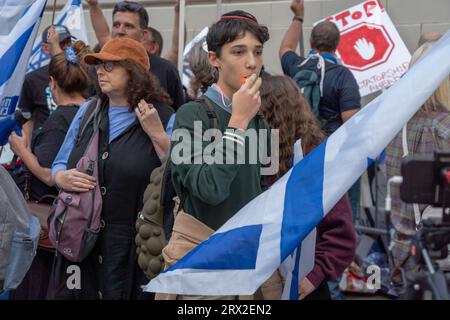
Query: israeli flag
20, 23
73, 18
249, 247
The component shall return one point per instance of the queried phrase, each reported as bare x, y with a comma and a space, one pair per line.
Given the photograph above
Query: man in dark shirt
340, 97
130, 20
36, 96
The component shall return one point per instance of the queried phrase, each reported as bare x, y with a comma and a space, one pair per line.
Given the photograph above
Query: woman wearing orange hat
133, 112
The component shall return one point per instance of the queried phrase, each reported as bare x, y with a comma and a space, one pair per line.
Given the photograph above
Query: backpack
155, 221
19, 234
75, 218
310, 79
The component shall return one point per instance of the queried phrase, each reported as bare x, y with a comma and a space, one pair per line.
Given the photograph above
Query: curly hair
141, 85
285, 108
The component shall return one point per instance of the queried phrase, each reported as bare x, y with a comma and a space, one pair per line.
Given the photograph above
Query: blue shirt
120, 118
169, 127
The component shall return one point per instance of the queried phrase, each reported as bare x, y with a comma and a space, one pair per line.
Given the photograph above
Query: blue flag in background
21, 23
73, 18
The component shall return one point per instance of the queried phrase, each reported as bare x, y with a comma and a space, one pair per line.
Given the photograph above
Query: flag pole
54, 10
219, 8
181, 39
301, 42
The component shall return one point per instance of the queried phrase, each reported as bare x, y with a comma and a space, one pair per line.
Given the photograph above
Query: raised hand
298, 8
92, 2
151, 123
52, 36
365, 48
149, 118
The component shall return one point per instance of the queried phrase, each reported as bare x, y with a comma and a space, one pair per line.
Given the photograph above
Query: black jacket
125, 165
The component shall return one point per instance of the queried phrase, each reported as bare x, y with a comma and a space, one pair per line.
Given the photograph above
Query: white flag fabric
250, 246
73, 18
21, 26
297, 266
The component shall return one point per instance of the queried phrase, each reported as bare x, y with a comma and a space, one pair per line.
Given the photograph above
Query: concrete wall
411, 17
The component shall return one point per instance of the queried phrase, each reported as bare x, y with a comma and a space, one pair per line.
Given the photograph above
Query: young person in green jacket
212, 192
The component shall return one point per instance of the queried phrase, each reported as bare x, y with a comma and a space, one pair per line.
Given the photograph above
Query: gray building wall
411, 18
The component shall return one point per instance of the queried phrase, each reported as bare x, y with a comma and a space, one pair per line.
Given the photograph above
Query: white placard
370, 46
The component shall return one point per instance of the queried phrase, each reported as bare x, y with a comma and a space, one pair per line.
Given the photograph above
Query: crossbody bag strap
213, 124
209, 109
89, 114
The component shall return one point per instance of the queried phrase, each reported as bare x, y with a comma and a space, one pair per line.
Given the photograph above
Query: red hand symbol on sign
365, 46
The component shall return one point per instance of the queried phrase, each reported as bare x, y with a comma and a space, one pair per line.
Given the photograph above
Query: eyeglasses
129, 6
107, 65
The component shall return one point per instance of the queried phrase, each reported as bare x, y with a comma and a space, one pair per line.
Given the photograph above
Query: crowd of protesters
134, 99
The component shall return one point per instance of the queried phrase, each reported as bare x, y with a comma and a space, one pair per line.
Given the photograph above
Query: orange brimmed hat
121, 49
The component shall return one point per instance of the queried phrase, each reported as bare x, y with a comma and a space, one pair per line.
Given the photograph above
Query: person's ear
144, 35
213, 59
157, 47
52, 84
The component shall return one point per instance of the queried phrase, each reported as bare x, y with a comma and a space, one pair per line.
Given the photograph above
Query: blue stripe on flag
379, 159
233, 249
303, 207
293, 294
10, 59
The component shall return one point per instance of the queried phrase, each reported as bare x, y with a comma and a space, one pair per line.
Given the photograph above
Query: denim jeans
23, 250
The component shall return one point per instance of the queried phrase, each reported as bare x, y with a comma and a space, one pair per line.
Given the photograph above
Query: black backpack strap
209, 109
212, 116
87, 117
330, 66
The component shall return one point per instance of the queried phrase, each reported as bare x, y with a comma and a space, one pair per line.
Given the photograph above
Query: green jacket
213, 192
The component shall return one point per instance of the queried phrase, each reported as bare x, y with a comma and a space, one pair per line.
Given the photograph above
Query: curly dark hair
285, 108
141, 85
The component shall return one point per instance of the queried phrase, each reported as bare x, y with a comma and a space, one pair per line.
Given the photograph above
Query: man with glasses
130, 20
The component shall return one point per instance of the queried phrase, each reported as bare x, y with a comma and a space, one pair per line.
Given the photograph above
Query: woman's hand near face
74, 180
246, 103
149, 118
151, 123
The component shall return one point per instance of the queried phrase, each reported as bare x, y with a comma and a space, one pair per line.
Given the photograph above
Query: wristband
298, 18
